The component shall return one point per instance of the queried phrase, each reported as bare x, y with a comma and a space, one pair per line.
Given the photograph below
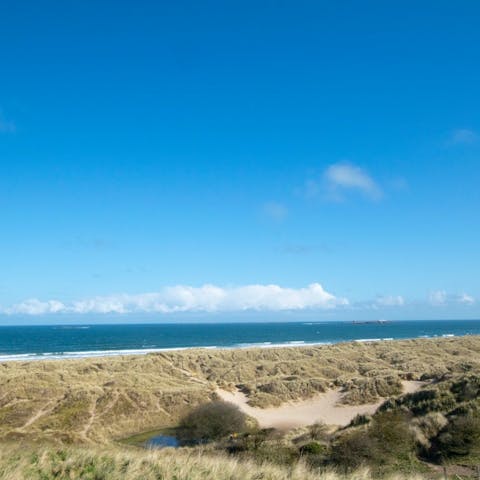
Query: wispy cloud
344, 177
181, 298
275, 211
440, 298
466, 299
312, 189
390, 301
463, 136
341, 179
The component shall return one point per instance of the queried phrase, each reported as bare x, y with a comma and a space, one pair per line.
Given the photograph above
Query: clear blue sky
148, 145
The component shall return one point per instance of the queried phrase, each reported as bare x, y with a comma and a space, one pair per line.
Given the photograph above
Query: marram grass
120, 463
97, 400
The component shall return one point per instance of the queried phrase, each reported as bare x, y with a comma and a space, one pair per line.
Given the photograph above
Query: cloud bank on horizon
181, 298
441, 298
211, 299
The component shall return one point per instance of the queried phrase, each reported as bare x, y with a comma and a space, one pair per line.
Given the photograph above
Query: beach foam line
86, 354
145, 351
8, 357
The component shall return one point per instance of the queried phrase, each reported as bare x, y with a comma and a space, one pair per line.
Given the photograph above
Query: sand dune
100, 399
322, 408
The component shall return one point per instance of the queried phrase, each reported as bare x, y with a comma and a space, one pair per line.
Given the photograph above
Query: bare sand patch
324, 408
412, 386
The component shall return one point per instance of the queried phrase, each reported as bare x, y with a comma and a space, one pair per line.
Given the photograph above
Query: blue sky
280, 158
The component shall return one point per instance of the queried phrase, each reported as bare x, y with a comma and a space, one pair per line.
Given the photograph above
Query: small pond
166, 437
162, 441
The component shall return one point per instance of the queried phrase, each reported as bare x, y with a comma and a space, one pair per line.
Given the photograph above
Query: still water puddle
162, 441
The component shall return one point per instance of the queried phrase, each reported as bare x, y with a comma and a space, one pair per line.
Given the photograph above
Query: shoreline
84, 354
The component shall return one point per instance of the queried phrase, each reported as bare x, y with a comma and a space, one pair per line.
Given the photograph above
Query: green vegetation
212, 421
312, 448
393, 440
446, 418
121, 463
460, 438
387, 444
101, 399
48, 407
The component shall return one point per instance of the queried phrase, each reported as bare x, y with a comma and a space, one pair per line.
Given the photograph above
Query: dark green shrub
312, 448
318, 431
360, 419
459, 438
391, 435
423, 402
468, 388
212, 421
275, 452
253, 440
387, 441
352, 450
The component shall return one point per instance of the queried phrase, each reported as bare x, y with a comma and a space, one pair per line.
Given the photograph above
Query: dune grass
118, 463
98, 400
62, 419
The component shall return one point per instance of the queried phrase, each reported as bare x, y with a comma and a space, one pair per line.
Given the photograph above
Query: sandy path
412, 386
324, 408
47, 408
92, 411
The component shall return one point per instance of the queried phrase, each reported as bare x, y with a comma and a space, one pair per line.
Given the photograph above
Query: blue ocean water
56, 341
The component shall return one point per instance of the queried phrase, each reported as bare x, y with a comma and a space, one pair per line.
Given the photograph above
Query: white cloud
466, 299
181, 298
390, 301
33, 306
276, 211
343, 177
463, 136
438, 298
441, 298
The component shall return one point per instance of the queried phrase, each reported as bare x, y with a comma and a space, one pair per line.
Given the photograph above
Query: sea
76, 341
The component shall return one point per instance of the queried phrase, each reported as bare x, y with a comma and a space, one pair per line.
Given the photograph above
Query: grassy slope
118, 463
97, 400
